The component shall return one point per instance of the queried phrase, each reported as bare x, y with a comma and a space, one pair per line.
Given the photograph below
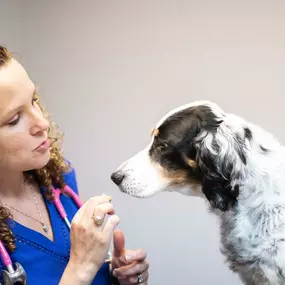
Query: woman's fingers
100, 212
90, 236
87, 209
131, 269
134, 279
111, 224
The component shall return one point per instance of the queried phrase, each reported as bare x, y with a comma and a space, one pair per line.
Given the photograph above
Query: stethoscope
15, 273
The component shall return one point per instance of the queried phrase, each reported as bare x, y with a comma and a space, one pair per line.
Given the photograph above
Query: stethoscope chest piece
17, 276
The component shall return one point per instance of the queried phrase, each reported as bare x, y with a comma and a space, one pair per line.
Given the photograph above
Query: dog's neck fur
262, 183
252, 233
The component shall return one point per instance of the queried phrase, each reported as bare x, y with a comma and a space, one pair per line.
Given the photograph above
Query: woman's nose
40, 124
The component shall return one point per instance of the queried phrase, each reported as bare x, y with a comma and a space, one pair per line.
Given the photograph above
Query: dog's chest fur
253, 240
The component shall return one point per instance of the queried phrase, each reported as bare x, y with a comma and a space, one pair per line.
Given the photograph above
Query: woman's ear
222, 197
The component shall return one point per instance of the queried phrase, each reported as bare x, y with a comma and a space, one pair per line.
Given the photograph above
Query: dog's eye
160, 146
163, 145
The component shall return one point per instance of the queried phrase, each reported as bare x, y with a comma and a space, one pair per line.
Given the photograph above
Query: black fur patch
265, 150
220, 196
177, 133
248, 134
176, 136
240, 147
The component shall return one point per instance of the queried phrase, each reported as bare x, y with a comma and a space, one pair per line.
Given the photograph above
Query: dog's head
196, 149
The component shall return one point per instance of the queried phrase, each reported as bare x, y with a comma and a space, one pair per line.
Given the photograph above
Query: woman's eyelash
35, 99
14, 122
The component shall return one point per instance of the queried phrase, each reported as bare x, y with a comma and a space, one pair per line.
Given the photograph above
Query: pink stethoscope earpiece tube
15, 274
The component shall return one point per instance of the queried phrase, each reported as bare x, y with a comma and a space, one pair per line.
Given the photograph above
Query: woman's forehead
14, 79
15, 85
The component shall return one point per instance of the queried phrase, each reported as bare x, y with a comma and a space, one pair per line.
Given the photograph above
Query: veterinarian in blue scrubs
31, 229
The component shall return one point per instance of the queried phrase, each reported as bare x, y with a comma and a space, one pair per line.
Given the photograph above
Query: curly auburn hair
50, 174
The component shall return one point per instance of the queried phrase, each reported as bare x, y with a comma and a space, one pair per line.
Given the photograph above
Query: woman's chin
39, 162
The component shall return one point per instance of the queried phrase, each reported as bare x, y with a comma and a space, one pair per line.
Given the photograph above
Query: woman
31, 229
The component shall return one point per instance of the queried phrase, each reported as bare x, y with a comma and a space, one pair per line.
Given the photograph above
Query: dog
237, 166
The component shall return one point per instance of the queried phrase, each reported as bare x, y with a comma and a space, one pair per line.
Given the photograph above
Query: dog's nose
117, 177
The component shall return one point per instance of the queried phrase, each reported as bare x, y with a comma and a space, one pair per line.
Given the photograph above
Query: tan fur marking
155, 132
179, 177
192, 163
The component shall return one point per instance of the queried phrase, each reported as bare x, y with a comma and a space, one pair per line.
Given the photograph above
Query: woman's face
23, 128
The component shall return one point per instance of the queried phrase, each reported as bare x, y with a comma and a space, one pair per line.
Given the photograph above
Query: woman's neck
12, 184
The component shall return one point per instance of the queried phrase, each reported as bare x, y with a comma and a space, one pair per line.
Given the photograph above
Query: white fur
253, 234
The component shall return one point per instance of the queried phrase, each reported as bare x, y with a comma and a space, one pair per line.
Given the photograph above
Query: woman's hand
90, 242
128, 266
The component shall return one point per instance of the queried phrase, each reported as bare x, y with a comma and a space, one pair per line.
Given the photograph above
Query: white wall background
108, 70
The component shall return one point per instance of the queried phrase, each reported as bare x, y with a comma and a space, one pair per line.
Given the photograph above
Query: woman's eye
34, 100
15, 121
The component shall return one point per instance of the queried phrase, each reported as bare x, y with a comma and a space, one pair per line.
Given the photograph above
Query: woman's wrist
76, 274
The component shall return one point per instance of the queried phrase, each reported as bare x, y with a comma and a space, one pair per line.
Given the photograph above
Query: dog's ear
221, 155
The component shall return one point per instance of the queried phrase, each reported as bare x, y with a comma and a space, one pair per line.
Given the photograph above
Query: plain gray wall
108, 70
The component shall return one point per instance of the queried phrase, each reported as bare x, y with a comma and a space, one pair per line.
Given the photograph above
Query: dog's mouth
133, 190
134, 194
139, 182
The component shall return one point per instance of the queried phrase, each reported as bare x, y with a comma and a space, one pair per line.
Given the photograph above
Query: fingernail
115, 273
128, 258
107, 196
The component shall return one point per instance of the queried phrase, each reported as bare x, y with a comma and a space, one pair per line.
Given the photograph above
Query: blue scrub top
43, 260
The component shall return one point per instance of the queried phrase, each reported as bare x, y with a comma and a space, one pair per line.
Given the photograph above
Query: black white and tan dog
198, 149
